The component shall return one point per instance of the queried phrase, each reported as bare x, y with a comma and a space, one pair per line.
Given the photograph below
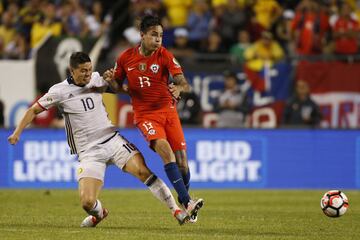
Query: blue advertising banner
218, 158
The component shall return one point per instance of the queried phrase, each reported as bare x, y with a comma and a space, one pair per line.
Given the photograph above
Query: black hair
78, 58
149, 21
230, 74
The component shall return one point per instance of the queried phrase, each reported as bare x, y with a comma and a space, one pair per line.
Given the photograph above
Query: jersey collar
70, 80
139, 51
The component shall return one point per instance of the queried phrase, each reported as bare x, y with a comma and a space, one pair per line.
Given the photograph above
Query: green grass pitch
135, 214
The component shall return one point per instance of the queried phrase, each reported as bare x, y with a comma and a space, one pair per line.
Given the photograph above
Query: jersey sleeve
171, 63
51, 98
119, 68
98, 81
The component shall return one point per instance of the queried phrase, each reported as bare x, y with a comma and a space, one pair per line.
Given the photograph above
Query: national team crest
142, 67
154, 68
152, 132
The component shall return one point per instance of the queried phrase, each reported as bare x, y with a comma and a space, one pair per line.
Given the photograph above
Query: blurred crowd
242, 28
256, 29
250, 32
26, 23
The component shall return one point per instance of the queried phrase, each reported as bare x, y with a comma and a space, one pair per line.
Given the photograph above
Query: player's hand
174, 90
125, 88
13, 139
109, 75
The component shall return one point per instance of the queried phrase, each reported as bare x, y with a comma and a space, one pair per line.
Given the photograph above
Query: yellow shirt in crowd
257, 54
264, 11
177, 11
241, 3
40, 30
6, 35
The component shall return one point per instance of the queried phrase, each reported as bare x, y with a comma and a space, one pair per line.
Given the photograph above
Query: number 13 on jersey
144, 81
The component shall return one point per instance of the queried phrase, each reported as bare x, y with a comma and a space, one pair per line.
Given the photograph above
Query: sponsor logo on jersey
80, 170
70, 95
142, 67
152, 132
154, 68
49, 99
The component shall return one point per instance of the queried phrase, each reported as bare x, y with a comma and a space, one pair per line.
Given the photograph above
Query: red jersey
148, 78
346, 45
312, 28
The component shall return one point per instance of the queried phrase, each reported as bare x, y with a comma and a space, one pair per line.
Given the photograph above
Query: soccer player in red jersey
147, 67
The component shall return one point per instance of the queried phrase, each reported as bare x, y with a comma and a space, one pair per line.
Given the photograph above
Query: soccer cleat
92, 221
193, 218
181, 216
193, 207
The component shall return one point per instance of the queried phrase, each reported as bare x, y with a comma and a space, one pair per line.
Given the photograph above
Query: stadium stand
268, 43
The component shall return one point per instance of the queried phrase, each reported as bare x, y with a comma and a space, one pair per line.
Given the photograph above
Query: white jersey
86, 120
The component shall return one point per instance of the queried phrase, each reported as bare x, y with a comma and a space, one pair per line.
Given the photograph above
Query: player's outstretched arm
26, 120
116, 85
181, 85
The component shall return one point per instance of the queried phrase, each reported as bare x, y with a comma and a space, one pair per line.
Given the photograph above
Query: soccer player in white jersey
91, 135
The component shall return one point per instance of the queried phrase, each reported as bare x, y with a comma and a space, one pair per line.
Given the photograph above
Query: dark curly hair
78, 58
149, 21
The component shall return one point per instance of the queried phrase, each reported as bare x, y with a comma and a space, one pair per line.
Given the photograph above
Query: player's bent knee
143, 173
137, 167
162, 147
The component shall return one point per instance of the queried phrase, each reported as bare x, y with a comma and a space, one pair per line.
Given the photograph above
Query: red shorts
164, 125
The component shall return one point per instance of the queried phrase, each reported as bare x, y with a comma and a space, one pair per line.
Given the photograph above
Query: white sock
161, 192
97, 210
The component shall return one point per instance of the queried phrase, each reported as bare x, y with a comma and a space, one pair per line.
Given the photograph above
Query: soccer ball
334, 203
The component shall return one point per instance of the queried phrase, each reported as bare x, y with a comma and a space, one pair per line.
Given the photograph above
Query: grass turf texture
135, 214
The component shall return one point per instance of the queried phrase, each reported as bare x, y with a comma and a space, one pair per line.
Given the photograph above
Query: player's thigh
92, 163
91, 172
122, 150
136, 166
163, 148
174, 133
151, 129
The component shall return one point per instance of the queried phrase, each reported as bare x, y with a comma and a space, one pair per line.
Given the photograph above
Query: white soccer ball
334, 203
